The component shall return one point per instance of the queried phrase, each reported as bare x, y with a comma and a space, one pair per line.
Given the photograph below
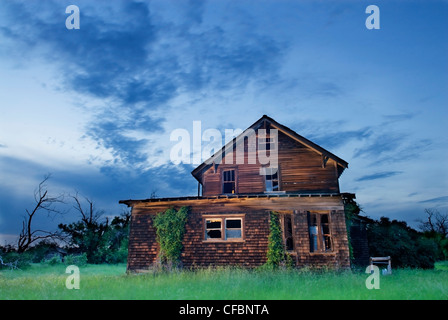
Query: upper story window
228, 181
266, 143
271, 179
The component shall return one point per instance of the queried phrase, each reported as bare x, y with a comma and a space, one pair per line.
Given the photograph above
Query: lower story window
287, 232
233, 228
223, 228
319, 232
213, 229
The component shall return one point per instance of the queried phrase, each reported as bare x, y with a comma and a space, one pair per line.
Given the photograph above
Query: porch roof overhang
131, 202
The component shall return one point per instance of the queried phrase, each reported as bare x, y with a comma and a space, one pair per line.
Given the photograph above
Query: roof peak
289, 132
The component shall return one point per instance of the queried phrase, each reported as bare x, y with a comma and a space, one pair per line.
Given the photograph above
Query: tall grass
111, 282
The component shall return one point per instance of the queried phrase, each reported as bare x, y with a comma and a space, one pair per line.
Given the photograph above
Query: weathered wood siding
249, 252
338, 257
360, 245
301, 169
143, 247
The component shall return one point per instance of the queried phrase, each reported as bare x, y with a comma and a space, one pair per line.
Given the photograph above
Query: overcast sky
95, 106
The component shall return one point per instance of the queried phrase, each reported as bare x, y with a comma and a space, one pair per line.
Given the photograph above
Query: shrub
55, 259
76, 259
406, 246
441, 265
42, 250
14, 260
170, 230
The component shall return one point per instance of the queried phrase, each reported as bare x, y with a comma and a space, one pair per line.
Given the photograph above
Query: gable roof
287, 131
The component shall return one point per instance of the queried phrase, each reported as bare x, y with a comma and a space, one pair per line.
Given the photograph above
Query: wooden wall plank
301, 170
252, 251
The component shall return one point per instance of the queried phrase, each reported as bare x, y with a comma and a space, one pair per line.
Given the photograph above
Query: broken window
213, 229
271, 179
325, 227
287, 231
312, 225
228, 181
319, 232
223, 228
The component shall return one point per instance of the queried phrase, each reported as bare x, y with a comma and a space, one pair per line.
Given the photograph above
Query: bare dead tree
86, 234
435, 222
44, 203
91, 216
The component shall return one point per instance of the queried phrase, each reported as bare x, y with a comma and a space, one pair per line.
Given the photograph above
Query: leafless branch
435, 222
43, 202
89, 216
11, 265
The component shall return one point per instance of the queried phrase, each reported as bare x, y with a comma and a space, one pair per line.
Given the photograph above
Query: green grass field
42, 281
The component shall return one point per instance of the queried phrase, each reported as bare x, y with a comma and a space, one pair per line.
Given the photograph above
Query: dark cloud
380, 145
193, 11
330, 134
138, 60
392, 147
379, 175
335, 139
110, 135
338, 11
438, 200
105, 188
393, 118
328, 89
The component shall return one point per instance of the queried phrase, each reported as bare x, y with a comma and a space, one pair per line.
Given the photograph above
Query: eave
287, 131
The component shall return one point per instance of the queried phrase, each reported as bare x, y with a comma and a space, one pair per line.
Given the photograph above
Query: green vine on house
276, 255
170, 230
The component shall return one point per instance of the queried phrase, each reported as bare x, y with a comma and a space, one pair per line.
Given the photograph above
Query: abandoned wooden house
228, 222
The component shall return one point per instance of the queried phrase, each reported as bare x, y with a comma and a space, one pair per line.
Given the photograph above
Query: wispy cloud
438, 200
336, 138
380, 145
328, 89
379, 175
392, 147
393, 118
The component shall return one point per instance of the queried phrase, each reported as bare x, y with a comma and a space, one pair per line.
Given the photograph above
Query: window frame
223, 218
210, 229
226, 228
319, 236
265, 180
288, 234
266, 143
235, 178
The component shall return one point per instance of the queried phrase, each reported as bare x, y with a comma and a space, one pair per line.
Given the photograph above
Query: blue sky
95, 107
